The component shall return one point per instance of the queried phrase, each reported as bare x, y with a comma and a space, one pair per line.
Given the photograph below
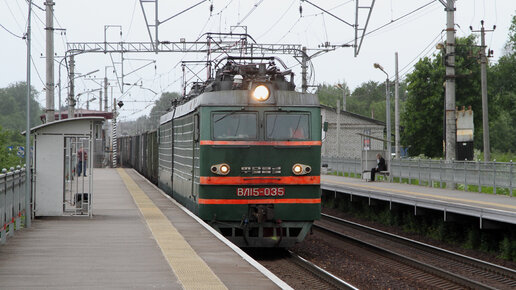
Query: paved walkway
119, 249
497, 207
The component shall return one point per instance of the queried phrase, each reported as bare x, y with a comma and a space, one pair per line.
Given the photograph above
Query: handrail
468, 175
12, 201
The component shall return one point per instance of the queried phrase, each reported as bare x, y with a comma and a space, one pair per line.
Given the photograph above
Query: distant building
351, 143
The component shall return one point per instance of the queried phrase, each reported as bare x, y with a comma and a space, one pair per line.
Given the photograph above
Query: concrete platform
119, 249
484, 206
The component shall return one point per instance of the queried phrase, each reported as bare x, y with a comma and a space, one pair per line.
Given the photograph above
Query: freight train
242, 151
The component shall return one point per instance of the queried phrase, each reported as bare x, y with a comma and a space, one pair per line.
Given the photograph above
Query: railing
12, 201
468, 175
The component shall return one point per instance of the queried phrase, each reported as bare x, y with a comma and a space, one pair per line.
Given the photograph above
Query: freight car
242, 151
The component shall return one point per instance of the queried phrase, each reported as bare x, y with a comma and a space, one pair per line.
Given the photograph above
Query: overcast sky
267, 21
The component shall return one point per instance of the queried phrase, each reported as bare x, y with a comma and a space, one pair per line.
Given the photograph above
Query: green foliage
508, 248
13, 118
13, 107
328, 94
422, 116
162, 106
151, 122
8, 158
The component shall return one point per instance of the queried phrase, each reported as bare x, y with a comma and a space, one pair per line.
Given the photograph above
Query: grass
415, 181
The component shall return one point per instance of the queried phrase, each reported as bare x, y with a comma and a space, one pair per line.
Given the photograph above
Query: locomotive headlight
301, 169
224, 169
220, 169
261, 93
297, 169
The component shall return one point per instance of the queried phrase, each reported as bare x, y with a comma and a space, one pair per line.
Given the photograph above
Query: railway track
296, 271
430, 265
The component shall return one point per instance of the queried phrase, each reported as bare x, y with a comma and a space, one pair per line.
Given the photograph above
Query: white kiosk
59, 148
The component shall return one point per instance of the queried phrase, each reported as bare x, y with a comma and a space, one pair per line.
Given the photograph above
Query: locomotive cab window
234, 126
287, 126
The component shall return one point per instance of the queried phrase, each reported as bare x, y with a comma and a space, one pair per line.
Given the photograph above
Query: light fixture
220, 169
301, 169
261, 93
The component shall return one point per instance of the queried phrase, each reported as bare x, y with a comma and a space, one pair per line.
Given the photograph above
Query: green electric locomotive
242, 151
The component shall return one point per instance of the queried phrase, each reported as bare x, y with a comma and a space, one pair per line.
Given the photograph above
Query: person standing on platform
380, 166
82, 160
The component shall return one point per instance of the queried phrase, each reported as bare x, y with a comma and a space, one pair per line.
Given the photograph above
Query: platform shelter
62, 166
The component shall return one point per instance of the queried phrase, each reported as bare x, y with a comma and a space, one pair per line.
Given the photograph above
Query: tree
161, 107
328, 94
13, 107
369, 97
502, 97
9, 143
146, 123
423, 114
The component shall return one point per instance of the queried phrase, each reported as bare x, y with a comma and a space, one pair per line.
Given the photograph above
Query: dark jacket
381, 165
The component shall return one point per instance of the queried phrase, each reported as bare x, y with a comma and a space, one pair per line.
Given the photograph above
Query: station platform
138, 238
486, 207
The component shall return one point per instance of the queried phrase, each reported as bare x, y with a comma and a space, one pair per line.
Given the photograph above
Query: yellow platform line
422, 194
190, 269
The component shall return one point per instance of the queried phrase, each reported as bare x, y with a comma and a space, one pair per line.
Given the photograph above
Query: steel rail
319, 272
483, 265
458, 279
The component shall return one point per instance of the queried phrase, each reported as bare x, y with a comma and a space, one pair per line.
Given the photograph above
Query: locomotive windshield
233, 125
287, 126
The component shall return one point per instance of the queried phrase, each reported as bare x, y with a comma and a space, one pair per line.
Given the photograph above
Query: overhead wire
132, 18
14, 17
10, 32
395, 20
426, 51
37, 71
278, 20
250, 12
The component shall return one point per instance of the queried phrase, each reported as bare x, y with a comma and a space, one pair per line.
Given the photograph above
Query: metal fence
437, 173
12, 201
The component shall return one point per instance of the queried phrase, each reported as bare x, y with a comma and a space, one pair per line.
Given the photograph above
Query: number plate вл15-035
261, 191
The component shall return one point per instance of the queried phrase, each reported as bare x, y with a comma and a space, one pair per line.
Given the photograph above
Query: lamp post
343, 88
387, 111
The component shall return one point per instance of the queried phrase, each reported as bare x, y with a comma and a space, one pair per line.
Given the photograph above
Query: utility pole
71, 94
49, 111
387, 112
388, 118
105, 92
304, 59
338, 127
483, 76
343, 99
100, 100
28, 179
451, 126
396, 109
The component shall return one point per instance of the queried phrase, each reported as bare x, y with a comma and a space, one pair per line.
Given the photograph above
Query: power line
13, 34
395, 20
12, 14
424, 51
250, 12
37, 71
279, 19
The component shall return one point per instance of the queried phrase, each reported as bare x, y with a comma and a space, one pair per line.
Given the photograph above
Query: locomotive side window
287, 126
234, 125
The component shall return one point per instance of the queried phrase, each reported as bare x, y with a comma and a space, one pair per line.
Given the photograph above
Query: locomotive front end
259, 158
